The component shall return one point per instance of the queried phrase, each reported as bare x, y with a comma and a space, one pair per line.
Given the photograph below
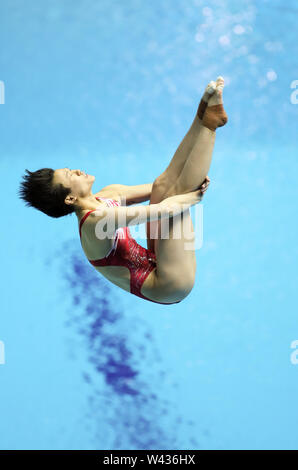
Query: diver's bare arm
136, 194
105, 220
126, 194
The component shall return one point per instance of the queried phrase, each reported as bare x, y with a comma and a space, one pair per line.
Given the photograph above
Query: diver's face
79, 182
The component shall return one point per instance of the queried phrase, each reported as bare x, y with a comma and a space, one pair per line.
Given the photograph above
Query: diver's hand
204, 186
176, 202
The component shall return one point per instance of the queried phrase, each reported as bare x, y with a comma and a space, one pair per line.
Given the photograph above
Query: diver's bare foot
209, 90
215, 115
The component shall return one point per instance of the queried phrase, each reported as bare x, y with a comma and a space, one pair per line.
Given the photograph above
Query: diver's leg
164, 181
174, 276
198, 162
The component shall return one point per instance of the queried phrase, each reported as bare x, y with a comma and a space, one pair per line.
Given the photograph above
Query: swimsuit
127, 252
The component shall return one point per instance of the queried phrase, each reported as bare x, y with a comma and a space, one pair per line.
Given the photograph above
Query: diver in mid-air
164, 272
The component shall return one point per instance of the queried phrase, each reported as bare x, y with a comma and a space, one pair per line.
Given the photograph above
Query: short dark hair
37, 190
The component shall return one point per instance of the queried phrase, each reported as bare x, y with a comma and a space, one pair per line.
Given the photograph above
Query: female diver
165, 271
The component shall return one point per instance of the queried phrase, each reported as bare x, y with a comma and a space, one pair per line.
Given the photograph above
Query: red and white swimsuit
127, 252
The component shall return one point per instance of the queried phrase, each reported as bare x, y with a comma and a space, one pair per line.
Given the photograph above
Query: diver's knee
182, 285
161, 182
181, 291
186, 289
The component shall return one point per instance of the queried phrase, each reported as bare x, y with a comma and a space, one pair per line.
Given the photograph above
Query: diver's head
56, 192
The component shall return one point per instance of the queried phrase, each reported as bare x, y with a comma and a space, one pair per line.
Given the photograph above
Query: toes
220, 82
210, 88
208, 92
216, 97
219, 91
